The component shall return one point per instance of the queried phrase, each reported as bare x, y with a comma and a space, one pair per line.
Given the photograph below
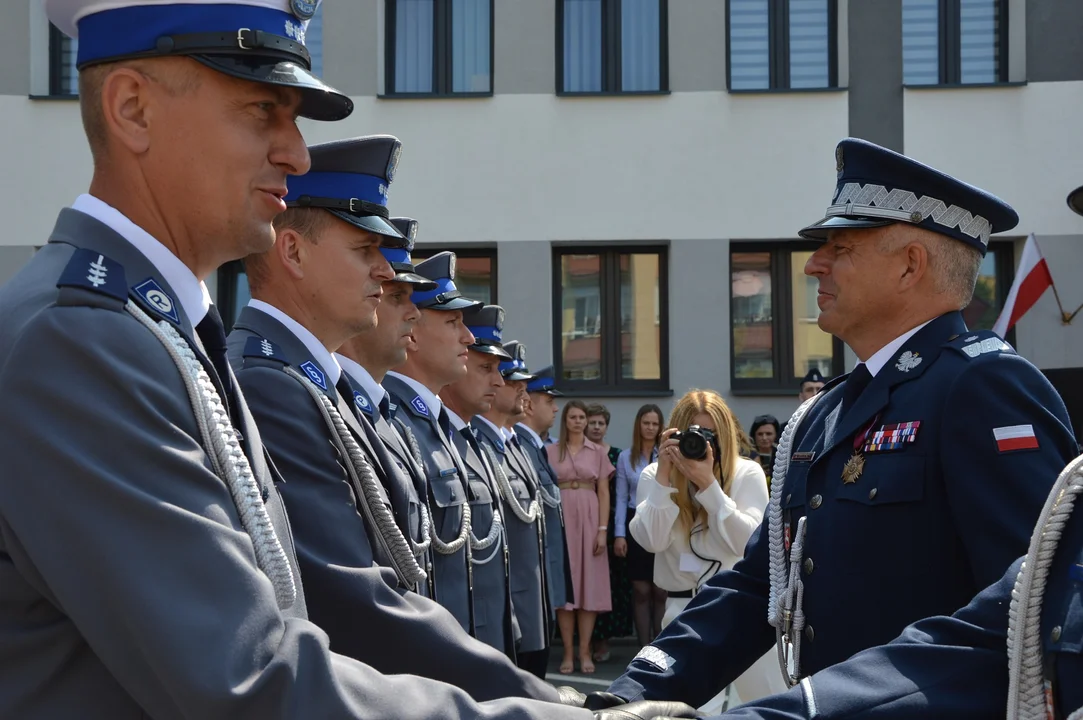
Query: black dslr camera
693, 442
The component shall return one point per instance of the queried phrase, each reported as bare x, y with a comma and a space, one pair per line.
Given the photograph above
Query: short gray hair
954, 265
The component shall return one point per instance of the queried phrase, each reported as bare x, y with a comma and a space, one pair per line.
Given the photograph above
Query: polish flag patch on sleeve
1015, 437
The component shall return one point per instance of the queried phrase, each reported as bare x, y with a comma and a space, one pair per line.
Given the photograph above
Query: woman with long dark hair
648, 600
583, 474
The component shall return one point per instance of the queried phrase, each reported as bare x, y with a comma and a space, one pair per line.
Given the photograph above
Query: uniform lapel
915, 357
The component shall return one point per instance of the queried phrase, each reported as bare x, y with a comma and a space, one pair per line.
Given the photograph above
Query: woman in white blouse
697, 516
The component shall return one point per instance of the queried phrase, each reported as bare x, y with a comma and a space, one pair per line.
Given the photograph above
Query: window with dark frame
611, 327
612, 46
774, 336
439, 47
955, 42
475, 270
63, 77
782, 44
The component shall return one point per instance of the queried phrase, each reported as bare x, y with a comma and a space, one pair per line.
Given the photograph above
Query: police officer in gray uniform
146, 565
435, 359
463, 399
526, 518
539, 412
366, 358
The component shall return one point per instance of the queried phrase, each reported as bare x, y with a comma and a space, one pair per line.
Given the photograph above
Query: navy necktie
212, 333
853, 387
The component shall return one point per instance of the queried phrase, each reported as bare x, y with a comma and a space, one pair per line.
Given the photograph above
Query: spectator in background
697, 516
812, 383
618, 621
765, 434
648, 600
583, 474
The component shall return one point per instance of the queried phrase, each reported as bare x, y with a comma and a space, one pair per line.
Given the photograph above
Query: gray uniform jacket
128, 586
558, 568
494, 618
446, 486
409, 487
525, 543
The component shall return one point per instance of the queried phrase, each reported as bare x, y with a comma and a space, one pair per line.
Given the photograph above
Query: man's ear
292, 252
127, 108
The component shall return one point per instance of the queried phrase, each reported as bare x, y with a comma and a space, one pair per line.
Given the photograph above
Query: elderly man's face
857, 287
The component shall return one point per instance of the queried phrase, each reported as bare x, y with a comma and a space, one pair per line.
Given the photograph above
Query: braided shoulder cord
449, 548
528, 516
1026, 687
422, 547
227, 457
784, 605
370, 501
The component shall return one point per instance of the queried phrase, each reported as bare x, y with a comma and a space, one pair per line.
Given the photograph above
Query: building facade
626, 177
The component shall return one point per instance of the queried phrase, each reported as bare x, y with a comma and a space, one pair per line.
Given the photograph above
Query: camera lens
693, 445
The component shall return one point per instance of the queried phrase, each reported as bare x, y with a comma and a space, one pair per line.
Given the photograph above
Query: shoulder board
91, 271
363, 404
979, 342
157, 299
262, 348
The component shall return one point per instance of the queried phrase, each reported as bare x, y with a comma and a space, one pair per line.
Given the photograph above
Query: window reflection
474, 278
640, 338
753, 319
809, 46
812, 347
982, 311
581, 317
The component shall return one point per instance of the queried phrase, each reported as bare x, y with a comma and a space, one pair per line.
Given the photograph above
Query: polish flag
1015, 437
1031, 280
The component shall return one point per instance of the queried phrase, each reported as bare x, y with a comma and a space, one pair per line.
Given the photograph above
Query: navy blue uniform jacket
920, 533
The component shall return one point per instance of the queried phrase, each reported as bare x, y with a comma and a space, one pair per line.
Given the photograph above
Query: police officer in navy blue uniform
901, 489
365, 359
961, 666
525, 513
495, 620
435, 358
321, 284
539, 413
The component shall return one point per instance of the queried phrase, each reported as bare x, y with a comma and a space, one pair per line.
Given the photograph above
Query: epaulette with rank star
102, 278
979, 342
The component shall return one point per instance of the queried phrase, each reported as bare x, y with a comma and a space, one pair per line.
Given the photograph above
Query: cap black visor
319, 101
819, 230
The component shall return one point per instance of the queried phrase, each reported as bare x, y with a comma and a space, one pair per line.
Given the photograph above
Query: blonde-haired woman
697, 516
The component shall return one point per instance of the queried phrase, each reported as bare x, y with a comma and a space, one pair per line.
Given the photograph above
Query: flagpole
1065, 318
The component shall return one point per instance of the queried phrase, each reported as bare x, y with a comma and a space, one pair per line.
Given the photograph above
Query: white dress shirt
456, 422
499, 431
731, 520
319, 353
191, 293
431, 399
363, 377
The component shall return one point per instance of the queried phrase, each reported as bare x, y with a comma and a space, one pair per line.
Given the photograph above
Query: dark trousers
535, 662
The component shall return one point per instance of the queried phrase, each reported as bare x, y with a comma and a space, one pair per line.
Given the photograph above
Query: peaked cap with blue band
350, 179
877, 187
515, 369
486, 323
544, 381
257, 40
399, 257
440, 268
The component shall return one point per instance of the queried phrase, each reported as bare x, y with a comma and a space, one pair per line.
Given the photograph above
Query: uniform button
809, 566
816, 501
810, 634
1055, 635
872, 494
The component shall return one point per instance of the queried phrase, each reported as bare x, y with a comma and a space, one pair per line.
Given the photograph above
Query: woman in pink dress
583, 474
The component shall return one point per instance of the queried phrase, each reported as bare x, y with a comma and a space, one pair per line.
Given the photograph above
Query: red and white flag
1015, 437
1031, 280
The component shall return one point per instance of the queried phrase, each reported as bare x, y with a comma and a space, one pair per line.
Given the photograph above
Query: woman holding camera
583, 473
696, 509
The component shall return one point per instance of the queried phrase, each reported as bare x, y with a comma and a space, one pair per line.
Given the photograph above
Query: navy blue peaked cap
258, 40
813, 375
544, 381
440, 268
877, 187
1075, 200
486, 323
350, 179
515, 368
399, 257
